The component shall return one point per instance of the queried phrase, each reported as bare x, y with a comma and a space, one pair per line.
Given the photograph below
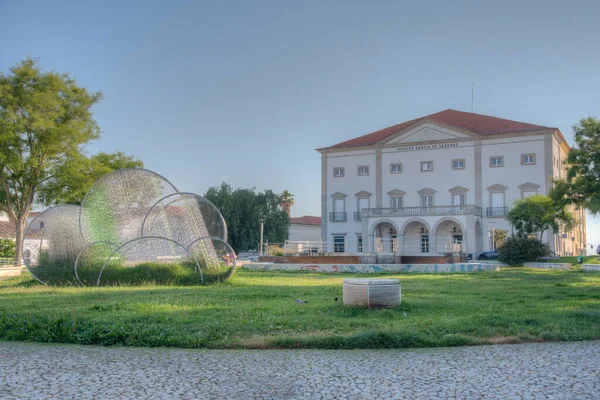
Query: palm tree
287, 201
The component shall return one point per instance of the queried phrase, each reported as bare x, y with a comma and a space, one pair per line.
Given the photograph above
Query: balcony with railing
421, 211
338, 216
496, 211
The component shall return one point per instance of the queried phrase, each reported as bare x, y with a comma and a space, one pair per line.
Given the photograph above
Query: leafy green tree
537, 214
71, 180
582, 184
242, 210
7, 248
45, 119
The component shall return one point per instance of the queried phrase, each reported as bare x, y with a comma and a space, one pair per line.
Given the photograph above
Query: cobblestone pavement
528, 371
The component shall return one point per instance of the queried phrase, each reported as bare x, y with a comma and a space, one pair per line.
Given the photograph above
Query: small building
305, 228
439, 184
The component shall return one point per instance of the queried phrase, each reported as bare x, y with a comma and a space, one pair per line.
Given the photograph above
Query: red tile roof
306, 220
475, 123
7, 230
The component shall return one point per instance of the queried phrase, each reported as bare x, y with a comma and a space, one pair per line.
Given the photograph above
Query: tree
71, 180
500, 236
7, 248
519, 249
537, 214
287, 201
582, 185
45, 119
242, 209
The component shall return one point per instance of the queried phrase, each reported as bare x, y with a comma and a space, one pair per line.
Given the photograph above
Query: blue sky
244, 91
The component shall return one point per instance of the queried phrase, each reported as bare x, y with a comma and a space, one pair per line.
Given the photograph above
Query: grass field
259, 310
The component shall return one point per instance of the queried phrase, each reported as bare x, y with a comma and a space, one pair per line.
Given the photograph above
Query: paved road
540, 371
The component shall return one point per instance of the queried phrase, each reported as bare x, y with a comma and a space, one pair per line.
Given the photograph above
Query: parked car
488, 255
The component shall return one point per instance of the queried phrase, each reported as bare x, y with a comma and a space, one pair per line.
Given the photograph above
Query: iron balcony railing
338, 216
496, 211
357, 215
415, 211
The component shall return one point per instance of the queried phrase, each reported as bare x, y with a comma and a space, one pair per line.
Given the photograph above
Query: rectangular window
427, 200
363, 203
458, 199
338, 172
396, 168
497, 199
528, 193
359, 243
527, 159
339, 205
426, 166
424, 243
458, 163
496, 161
363, 170
339, 243
396, 202
41, 224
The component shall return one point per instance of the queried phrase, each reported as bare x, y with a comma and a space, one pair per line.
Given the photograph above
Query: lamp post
493, 235
262, 222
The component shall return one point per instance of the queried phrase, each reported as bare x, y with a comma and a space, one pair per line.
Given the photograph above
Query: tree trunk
20, 230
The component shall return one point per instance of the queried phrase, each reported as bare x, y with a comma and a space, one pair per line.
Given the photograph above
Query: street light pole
262, 221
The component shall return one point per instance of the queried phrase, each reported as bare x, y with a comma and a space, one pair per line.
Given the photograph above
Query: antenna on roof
472, 94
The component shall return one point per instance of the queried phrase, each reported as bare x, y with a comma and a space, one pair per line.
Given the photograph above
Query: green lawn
586, 260
259, 310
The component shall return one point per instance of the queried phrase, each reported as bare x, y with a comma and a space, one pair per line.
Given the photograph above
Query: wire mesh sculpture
133, 226
50, 250
184, 217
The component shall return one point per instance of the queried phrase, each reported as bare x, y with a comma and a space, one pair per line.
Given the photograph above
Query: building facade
439, 184
305, 228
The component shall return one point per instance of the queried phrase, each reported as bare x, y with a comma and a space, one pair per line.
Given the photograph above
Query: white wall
305, 232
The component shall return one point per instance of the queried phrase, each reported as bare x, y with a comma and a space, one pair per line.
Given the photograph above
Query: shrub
7, 248
518, 250
276, 251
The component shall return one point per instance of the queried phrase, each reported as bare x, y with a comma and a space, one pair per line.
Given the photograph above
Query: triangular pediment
338, 195
529, 186
396, 192
458, 189
497, 188
426, 191
427, 131
363, 193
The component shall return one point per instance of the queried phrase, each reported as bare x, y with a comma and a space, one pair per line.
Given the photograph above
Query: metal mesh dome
215, 257
90, 261
50, 251
149, 259
184, 218
114, 209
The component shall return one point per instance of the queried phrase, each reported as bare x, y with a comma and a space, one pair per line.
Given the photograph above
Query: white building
438, 184
305, 228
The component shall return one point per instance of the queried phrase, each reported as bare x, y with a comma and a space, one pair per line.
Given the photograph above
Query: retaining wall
8, 272
548, 265
374, 268
591, 267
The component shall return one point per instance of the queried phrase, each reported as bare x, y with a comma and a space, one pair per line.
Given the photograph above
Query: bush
276, 251
518, 250
7, 248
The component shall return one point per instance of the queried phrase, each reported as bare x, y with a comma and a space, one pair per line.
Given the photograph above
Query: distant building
438, 184
306, 228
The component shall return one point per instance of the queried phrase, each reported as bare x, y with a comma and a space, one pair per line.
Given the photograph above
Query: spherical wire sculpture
90, 260
133, 227
147, 259
114, 208
184, 217
215, 257
50, 251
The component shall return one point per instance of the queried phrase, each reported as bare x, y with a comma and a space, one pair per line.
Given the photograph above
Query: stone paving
526, 371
